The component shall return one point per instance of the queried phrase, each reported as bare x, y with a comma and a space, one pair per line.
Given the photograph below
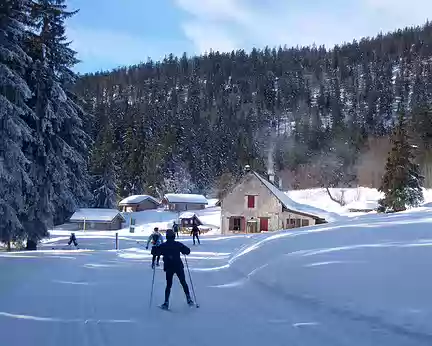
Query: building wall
144, 205
185, 206
101, 226
266, 206
290, 215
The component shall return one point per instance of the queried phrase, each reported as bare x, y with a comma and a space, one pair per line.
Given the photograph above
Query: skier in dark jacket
195, 232
171, 250
73, 239
175, 228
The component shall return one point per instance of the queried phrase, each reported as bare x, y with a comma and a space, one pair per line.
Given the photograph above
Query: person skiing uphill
195, 232
175, 229
171, 250
156, 239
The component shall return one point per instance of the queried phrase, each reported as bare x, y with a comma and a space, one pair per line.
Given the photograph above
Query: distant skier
195, 233
73, 239
156, 240
173, 264
175, 229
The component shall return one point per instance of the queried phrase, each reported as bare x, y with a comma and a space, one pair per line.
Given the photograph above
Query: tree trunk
9, 248
31, 245
341, 203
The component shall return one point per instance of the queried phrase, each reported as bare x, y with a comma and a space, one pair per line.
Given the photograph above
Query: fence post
132, 225
116, 241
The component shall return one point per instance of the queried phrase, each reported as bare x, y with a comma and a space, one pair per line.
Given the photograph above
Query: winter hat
170, 234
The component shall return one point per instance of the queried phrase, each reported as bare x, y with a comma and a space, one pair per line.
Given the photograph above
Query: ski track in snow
257, 290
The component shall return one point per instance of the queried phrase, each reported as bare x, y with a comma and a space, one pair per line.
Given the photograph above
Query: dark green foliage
279, 109
402, 181
43, 147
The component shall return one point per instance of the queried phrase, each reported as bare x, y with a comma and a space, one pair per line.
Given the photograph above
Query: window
297, 222
290, 223
305, 223
251, 201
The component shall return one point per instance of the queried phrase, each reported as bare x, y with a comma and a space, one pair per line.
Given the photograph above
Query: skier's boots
190, 301
165, 306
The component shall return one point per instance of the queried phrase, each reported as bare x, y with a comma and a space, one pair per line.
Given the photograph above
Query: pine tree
402, 182
58, 155
103, 170
14, 92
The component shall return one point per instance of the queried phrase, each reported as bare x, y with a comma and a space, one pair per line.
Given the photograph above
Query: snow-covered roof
363, 205
187, 215
290, 204
190, 215
95, 215
135, 199
185, 198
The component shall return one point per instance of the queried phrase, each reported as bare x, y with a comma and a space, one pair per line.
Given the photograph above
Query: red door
264, 224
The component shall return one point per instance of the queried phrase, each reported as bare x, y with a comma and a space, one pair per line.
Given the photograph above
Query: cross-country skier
195, 232
175, 229
173, 264
73, 239
156, 239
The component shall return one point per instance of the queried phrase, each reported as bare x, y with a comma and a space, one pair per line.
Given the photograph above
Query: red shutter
251, 201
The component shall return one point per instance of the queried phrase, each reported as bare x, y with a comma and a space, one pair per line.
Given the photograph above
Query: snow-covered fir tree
14, 92
402, 181
58, 153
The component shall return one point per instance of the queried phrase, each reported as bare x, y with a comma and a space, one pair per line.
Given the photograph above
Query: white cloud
230, 24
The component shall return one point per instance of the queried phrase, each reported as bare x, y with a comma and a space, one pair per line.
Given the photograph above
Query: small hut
138, 203
98, 219
188, 219
182, 202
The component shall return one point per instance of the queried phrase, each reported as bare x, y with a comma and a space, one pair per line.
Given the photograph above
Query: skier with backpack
156, 240
173, 264
175, 229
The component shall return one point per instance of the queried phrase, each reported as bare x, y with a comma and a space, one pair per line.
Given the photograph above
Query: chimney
247, 169
271, 176
280, 183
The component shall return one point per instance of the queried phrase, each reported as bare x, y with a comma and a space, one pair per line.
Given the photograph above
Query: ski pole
190, 279
151, 292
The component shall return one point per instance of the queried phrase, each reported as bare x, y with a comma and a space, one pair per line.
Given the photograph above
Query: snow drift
375, 267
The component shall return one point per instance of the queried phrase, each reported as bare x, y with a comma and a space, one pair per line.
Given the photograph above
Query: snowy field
363, 281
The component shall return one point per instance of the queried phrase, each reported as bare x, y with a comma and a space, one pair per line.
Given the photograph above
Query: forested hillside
318, 117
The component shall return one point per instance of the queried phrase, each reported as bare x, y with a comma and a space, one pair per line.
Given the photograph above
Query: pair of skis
166, 308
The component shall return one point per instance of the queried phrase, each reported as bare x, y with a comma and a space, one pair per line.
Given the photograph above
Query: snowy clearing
360, 282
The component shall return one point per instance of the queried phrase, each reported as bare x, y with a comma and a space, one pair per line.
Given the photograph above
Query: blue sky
112, 33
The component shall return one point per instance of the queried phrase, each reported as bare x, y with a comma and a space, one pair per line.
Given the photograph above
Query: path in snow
101, 298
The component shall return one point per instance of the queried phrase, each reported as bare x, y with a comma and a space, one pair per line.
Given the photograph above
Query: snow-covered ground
353, 197
361, 281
